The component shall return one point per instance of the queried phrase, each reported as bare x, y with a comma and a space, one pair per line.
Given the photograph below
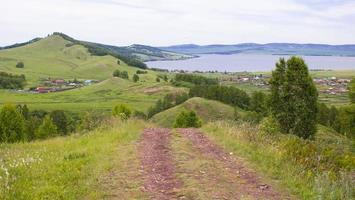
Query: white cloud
165, 22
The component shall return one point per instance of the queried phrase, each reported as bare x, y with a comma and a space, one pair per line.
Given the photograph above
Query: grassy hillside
101, 96
73, 167
56, 57
312, 169
207, 110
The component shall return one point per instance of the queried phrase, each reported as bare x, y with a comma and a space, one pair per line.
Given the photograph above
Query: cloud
165, 22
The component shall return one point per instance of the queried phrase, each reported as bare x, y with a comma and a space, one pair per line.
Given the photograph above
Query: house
43, 90
88, 82
59, 81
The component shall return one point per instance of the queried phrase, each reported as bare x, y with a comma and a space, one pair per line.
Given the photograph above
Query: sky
170, 22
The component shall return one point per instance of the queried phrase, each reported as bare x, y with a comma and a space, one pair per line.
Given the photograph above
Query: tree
323, 114
333, 118
135, 78
157, 79
118, 62
186, 119
352, 91
46, 129
116, 73
258, 103
122, 111
24, 111
20, 65
60, 120
12, 125
124, 75
294, 97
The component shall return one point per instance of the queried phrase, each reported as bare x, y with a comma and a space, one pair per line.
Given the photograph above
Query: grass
51, 57
102, 96
207, 110
71, 167
267, 154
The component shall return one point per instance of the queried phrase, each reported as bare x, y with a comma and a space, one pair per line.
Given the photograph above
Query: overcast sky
167, 22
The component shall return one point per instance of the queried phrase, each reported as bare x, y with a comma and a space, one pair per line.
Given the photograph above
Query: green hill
207, 110
56, 57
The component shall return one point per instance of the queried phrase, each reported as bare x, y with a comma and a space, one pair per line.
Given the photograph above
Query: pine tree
294, 97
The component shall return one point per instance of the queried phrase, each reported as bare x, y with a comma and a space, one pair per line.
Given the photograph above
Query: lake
250, 62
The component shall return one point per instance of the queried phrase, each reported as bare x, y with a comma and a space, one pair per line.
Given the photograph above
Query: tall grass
318, 169
64, 167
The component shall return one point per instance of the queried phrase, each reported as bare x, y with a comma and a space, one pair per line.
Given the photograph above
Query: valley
83, 120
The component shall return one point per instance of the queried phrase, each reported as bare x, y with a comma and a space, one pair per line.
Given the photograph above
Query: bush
20, 65
89, 121
269, 125
141, 72
252, 117
46, 129
187, 119
12, 125
139, 115
118, 73
157, 79
135, 78
122, 111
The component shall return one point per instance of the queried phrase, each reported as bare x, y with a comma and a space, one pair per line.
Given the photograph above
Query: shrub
122, 111
89, 121
187, 119
12, 125
252, 117
20, 65
139, 115
46, 129
269, 125
135, 78
118, 73
157, 79
141, 72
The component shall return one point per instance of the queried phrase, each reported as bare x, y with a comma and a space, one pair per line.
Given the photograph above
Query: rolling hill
57, 57
270, 48
208, 110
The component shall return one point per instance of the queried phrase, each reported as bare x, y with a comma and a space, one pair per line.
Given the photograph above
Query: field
102, 96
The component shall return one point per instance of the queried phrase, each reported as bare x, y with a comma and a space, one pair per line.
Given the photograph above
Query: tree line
195, 79
19, 124
95, 49
10, 81
167, 102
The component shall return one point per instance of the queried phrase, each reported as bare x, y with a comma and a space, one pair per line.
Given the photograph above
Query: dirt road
185, 164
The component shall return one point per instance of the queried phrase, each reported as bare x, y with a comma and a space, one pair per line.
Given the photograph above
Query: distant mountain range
270, 48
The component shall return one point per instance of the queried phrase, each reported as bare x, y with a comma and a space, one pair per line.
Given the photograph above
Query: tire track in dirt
157, 164
249, 183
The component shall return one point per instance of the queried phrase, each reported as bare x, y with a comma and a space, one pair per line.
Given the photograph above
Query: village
56, 85
326, 85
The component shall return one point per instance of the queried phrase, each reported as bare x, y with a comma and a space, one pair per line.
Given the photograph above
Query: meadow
72, 167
